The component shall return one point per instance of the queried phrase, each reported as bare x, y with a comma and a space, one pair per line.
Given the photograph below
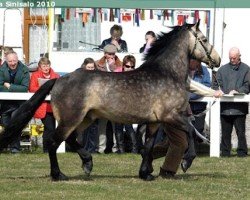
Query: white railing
214, 112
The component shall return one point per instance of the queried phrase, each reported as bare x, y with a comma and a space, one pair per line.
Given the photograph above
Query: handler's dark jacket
231, 77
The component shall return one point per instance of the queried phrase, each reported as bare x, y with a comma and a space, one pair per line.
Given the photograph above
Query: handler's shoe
166, 174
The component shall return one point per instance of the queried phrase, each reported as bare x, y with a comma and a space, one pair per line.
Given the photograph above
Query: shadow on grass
75, 178
182, 177
201, 175
96, 177
93, 177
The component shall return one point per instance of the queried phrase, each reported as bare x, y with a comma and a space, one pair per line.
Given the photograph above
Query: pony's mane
164, 40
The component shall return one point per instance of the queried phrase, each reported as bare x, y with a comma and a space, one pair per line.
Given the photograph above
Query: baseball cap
110, 48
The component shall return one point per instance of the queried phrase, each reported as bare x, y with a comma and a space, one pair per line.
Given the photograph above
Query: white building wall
11, 29
237, 33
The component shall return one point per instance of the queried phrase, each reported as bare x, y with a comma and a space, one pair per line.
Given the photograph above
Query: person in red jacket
44, 112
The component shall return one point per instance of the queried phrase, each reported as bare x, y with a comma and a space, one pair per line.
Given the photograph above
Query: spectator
201, 75
89, 64
44, 112
128, 65
90, 135
232, 78
109, 63
115, 39
14, 77
150, 37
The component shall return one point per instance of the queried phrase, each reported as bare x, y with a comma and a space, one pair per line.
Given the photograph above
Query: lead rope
204, 139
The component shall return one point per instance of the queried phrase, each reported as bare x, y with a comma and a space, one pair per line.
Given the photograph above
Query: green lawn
26, 176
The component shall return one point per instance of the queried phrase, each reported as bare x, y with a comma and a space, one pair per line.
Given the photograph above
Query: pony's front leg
146, 167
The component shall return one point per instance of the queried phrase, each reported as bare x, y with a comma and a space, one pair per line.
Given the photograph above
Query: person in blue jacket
200, 74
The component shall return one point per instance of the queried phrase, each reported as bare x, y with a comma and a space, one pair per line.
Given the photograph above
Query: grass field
26, 176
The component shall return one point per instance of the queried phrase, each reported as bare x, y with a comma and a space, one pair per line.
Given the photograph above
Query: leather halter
208, 52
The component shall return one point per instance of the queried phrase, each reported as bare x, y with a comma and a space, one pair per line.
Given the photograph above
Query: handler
170, 166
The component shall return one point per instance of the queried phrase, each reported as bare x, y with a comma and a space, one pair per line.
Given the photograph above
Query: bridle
208, 52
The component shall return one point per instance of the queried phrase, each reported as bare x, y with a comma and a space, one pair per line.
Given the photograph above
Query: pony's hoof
146, 176
60, 177
185, 165
87, 167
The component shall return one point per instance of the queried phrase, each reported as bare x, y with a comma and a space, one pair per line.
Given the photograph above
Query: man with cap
109, 62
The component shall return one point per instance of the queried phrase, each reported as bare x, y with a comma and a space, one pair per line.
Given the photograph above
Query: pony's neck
174, 59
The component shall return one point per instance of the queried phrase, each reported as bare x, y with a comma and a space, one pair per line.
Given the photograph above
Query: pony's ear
197, 24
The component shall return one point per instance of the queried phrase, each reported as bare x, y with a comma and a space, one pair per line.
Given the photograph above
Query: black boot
134, 142
119, 136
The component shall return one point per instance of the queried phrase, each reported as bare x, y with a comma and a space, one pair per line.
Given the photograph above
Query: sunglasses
128, 66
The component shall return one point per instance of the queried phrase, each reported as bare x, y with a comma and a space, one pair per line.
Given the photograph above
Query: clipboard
41, 81
239, 94
228, 95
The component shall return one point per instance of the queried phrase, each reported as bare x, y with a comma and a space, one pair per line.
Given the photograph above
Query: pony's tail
23, 114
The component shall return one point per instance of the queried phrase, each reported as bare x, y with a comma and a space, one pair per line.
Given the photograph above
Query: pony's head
200, 48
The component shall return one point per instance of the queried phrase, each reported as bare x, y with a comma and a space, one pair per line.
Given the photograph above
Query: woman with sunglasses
123, 145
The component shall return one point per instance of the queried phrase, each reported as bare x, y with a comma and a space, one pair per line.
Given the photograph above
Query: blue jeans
90, 137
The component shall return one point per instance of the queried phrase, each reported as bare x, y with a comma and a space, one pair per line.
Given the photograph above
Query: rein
208, 52
206, 140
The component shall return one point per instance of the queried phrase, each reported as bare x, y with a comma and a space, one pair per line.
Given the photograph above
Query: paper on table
228, 95
41, 81
239, 94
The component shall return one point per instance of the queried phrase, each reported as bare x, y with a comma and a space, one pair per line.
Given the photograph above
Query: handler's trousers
173, 148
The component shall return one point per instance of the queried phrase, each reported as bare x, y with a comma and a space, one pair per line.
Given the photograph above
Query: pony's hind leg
53, 144
87, 163
62, 132
146, 167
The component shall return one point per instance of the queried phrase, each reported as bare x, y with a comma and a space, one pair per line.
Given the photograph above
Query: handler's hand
218, 93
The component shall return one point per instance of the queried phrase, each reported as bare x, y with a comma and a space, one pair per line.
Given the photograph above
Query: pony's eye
204, 39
